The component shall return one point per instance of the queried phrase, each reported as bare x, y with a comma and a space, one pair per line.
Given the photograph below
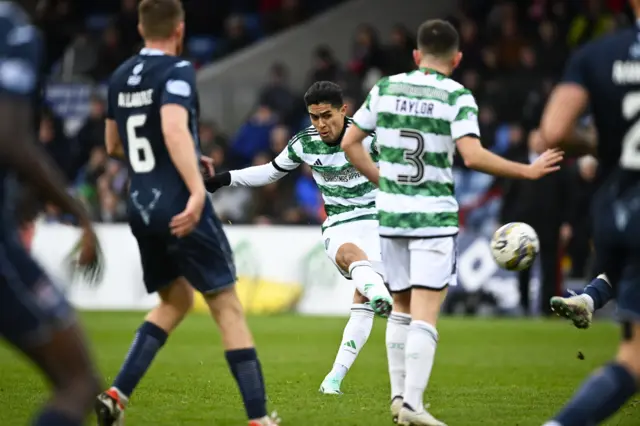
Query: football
514, 246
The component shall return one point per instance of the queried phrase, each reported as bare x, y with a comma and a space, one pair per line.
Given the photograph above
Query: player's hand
548, 162
206, 166
86, 258
185, 222
215, 182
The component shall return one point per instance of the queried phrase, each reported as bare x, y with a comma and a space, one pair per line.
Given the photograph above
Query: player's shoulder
350, 122
304, 135
617, 43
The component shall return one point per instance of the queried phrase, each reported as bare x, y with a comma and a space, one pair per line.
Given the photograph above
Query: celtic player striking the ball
350, 232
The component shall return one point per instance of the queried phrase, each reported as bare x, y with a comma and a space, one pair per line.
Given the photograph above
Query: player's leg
37, 320
432, 270
355, 335
347, 245
579, 308
208, 265
354, 248
395, 253
610, 387
176, 299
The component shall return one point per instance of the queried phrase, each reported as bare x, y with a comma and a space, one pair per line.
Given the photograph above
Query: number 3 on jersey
630, 157
413, 157
140, 152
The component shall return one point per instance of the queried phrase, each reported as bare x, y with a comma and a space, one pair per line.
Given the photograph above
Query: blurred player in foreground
152, 122
420, 117
35, 317
604, 76
350, 231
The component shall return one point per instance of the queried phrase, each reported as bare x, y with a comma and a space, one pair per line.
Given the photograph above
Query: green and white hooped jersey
347, 194
417, 117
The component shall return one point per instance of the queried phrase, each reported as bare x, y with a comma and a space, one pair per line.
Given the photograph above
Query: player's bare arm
558, 126
358, 155
181, 149
478, 158
112, 139
19, 151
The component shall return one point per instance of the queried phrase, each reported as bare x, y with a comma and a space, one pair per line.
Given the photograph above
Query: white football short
419, 262
361, 233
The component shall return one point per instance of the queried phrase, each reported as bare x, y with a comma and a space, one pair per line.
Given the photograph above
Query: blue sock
245, 367
600, 396
148, 341
600, 291
50, 417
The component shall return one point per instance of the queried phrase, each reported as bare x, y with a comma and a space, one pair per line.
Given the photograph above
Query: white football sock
355, 335
368, 282
420, 351
396, 339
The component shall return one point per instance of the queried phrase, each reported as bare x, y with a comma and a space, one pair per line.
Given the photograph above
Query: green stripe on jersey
426, 189
333, 209
397, 156
372, 216
418, 220
436, 126
464, 113
347, 192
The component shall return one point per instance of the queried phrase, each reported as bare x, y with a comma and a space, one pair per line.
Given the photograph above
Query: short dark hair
438, 38
159, 18
324, 92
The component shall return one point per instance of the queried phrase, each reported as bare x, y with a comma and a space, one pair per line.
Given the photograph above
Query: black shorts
203, 257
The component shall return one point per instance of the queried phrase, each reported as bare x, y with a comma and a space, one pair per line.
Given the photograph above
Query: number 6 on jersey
140, 152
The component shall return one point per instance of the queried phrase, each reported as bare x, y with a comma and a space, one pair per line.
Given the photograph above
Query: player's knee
425, 304
179, 296
402, 302
225, 305
349, 253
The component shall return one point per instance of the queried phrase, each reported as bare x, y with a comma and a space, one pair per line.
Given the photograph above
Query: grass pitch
487, 372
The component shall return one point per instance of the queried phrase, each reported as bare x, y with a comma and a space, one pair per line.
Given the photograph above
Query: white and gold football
514, 246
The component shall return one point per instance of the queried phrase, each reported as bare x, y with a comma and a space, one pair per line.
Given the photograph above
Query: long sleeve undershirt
256, 175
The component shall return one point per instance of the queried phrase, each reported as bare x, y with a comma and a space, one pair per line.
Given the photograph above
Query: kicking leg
241, 354
355, 335
368, 282
580, 308
175, 302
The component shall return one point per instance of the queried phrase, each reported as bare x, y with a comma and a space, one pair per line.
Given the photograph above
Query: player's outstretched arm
262, 175
357, 154
476, 157
19, 151
251, 176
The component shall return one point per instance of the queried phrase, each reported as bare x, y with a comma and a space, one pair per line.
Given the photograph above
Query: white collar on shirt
151, 52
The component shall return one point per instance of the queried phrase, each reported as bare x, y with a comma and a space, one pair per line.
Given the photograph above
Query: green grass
487, 372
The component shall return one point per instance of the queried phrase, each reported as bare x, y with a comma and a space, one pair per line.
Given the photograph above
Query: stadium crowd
514, 52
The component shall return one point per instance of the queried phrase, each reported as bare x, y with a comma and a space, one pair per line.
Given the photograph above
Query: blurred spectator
510, 45
91, 134
308, 196
593, 22
236, 36
271, 204
279, 96
110, 53
551, 51
366, 52
52, 136
252, 137
325, 66
210, 137
282, 14
398, 53
279, 138
127, 22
